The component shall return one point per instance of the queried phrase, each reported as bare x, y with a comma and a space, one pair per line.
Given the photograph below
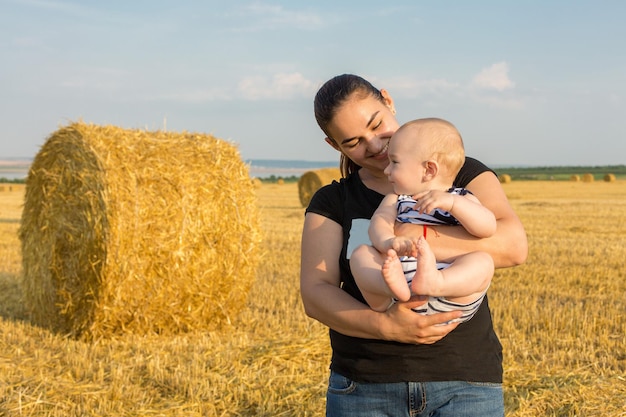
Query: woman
395, 362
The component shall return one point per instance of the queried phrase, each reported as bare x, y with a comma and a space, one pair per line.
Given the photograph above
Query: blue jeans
346, 398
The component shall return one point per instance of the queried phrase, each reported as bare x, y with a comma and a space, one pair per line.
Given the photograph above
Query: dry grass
561, 315
560, 318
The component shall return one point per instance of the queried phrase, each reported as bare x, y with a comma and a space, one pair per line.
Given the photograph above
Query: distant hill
16, 169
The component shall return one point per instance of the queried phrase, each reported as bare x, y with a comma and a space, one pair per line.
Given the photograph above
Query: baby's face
406, 163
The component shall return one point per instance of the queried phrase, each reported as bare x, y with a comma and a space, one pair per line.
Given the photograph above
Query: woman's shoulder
347, 196
329, 196
470, 170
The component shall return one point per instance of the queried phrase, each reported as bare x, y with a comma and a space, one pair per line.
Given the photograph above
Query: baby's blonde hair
445, 143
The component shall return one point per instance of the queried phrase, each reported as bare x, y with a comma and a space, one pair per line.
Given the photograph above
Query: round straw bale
609, 178
505, 178
135, 231
574, 178
256, 182
311, 181
588, 178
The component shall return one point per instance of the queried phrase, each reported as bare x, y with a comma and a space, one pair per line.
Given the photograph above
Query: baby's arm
381, 230
478, 220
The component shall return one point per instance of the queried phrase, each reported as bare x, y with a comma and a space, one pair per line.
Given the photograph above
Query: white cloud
491, 87
70, 8
495, 77
500, 102
615, 99
195, 96
95, 79
273, 17
281, 86
410, 87
28, 42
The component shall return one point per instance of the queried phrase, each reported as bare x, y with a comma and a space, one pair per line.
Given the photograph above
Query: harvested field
560, 318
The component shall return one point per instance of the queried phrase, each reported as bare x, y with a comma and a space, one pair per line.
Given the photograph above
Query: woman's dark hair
331, 96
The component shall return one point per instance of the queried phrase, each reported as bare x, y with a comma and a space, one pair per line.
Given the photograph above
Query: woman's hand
401, 324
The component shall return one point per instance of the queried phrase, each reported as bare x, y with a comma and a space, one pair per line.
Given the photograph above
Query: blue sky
526, 82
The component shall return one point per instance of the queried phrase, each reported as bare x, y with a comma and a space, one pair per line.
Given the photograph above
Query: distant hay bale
280, 181
587, 178
256, 183
505, 178
609, 178
138, 232
311, 181
574, 178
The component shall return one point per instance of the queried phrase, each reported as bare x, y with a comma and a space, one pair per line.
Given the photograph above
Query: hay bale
609, 178
134, 231
280, 181
311, 181
256, 183
588, 178
504, 178
574, 178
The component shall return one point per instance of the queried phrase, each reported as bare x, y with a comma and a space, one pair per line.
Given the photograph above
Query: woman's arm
473, 216
508, 246
477, 219
326, 302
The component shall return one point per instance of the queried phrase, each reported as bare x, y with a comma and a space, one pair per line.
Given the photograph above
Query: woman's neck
375, 181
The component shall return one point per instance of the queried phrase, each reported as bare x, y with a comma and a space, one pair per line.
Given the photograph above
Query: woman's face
361, 130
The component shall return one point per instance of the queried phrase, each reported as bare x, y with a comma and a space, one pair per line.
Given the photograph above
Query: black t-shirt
471, 352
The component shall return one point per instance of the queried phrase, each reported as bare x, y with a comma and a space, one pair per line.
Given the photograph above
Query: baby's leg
428, 280
464, 281
468, 277
365, 263
393, 275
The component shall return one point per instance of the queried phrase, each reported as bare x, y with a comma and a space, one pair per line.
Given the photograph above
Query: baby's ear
431, 170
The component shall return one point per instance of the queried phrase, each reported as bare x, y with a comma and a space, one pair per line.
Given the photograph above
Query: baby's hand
428, 201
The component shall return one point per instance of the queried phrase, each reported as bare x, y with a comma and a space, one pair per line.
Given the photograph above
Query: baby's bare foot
427, 276
394, 276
